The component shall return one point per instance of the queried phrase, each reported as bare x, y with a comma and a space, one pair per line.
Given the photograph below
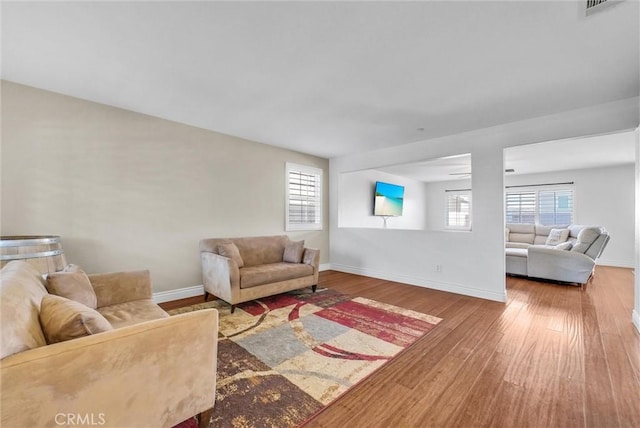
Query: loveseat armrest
157, 374
311, 256
559, 265
121, 287
220, 276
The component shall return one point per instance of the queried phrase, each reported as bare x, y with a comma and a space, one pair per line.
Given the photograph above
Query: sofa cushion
231, 251
586, 237
544, 230
22, 288
516, 252
557, 236
73, 284
134, 312
565, 246
274, 272
63, 319
522, 232
574, 230
517, 245
293, 252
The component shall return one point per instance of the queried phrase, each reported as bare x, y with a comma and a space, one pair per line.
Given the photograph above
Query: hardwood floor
553, 355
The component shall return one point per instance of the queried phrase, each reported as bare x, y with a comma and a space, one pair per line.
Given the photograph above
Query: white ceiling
576, 153
327, 78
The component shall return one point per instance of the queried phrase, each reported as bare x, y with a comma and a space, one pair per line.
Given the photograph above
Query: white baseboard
442, 286
180, 293
196, 290
616, 263
635, 318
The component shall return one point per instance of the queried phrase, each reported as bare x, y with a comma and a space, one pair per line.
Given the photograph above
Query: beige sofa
145, 369
559, 253
238, 270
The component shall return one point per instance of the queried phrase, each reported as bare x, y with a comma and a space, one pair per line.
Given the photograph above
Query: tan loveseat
146, 370
238, 270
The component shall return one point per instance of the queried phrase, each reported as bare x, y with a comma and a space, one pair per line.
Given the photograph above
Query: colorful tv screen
389, 199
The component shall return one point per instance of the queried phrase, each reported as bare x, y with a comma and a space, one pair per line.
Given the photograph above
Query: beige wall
130, 191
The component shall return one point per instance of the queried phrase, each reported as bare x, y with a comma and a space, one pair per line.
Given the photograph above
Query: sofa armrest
559, 265
157, 373
220, 276
121, 287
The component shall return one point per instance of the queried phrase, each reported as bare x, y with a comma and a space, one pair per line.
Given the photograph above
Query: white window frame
539, 189
315, 199
456, 193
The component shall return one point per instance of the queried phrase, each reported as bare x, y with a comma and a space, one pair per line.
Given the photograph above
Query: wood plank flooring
551, 356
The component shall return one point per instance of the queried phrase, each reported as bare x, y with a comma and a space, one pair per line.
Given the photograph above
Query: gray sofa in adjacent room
560, 253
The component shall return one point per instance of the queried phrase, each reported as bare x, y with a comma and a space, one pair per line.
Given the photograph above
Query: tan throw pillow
63, 319
557, 236
73, 284
293, 252
231, 251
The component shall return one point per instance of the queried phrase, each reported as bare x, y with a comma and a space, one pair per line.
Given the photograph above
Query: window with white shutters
458, 215
548, 206
555, 207
521, 207
303, 197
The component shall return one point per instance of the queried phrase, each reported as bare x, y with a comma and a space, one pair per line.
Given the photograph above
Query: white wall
355, 201
472, 262
130, 191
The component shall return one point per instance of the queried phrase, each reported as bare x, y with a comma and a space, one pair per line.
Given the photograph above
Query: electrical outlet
438, 268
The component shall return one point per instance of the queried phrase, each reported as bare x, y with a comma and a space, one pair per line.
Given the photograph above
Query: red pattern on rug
388, 326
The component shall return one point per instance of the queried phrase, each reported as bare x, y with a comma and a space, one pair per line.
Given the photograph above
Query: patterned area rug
281, 359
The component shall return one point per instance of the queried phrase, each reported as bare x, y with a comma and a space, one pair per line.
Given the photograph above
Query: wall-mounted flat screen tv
389, 199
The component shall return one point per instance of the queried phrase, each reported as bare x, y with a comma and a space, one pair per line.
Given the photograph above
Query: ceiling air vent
594, 6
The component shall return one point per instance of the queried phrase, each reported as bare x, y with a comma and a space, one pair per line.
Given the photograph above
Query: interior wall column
636, 306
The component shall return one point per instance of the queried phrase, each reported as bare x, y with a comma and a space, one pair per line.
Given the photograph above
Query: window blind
555, 207
458, 211
304, 197
521, 207
545, 206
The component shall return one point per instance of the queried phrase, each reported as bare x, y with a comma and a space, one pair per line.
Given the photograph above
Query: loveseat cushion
63, 319
73, 284
134, 312
293, 252
22, 288
253, 276
260, 250
230, 250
